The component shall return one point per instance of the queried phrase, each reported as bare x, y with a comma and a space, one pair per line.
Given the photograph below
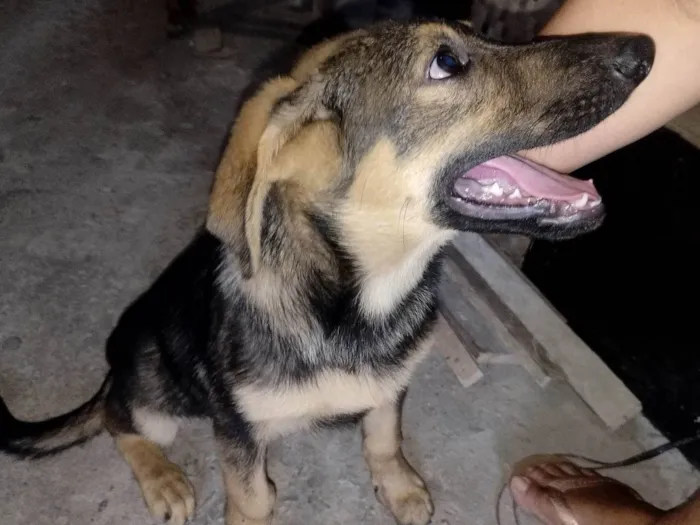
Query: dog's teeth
495, 189
594, 203
580, 203
516, 194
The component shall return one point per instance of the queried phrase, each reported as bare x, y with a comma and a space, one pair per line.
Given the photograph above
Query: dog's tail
41, 438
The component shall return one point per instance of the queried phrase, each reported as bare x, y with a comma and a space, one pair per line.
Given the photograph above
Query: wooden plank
446, 342
687, 125
587, 374
512, 247
484, 324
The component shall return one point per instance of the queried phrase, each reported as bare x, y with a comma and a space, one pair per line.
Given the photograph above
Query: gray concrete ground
105, 167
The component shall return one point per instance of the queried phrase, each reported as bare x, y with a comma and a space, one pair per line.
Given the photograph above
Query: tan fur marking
399, 486
386, 203
387, 227
250, 498
166, 489
334, 393
383, 291
311, 159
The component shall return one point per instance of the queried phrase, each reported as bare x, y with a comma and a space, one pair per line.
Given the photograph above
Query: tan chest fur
332, 393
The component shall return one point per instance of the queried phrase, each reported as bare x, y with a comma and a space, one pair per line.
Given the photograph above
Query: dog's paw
401, 489
413, 507
235, 517
169, 494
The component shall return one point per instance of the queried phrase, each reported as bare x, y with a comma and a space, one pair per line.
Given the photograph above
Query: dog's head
410, 130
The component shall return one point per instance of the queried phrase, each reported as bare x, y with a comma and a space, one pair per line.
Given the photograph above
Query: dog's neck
390, 255
376, 260
384, 225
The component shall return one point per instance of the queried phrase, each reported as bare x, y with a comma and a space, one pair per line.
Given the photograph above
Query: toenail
520, 484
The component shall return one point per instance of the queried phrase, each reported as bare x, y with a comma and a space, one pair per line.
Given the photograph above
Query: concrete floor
105, 167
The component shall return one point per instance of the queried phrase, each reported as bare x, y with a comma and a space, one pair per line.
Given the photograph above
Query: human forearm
672, 88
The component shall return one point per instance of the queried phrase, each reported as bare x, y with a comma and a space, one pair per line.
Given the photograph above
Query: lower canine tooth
580, 203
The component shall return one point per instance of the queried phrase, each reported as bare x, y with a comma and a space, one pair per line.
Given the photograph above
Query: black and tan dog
309, 296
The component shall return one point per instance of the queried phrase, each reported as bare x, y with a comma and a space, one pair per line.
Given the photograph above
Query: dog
308, 296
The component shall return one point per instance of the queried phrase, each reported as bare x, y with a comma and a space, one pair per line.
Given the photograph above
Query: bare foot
560, 493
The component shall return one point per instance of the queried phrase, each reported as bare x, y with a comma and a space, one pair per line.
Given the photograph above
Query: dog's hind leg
138, 434
250, 495
396, 483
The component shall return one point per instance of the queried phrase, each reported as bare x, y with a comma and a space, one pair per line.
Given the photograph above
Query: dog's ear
278, 158
234, 176
266, 123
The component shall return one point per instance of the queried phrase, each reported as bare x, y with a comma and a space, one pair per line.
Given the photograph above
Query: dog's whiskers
362, 193
402, 220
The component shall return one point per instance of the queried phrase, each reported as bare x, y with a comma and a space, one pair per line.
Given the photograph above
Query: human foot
558, 492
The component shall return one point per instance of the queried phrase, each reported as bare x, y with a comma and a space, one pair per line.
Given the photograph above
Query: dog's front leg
396, 483
250, 495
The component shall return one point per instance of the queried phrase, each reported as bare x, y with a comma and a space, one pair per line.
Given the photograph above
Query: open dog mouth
514, 188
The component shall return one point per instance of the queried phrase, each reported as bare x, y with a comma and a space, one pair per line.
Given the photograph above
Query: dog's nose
634, 59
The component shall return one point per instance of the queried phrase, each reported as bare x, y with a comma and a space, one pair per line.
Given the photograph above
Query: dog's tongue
534, 179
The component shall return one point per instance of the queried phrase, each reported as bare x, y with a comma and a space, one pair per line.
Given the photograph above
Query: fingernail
520, 484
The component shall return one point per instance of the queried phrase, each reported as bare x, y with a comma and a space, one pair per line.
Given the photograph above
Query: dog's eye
444, 65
